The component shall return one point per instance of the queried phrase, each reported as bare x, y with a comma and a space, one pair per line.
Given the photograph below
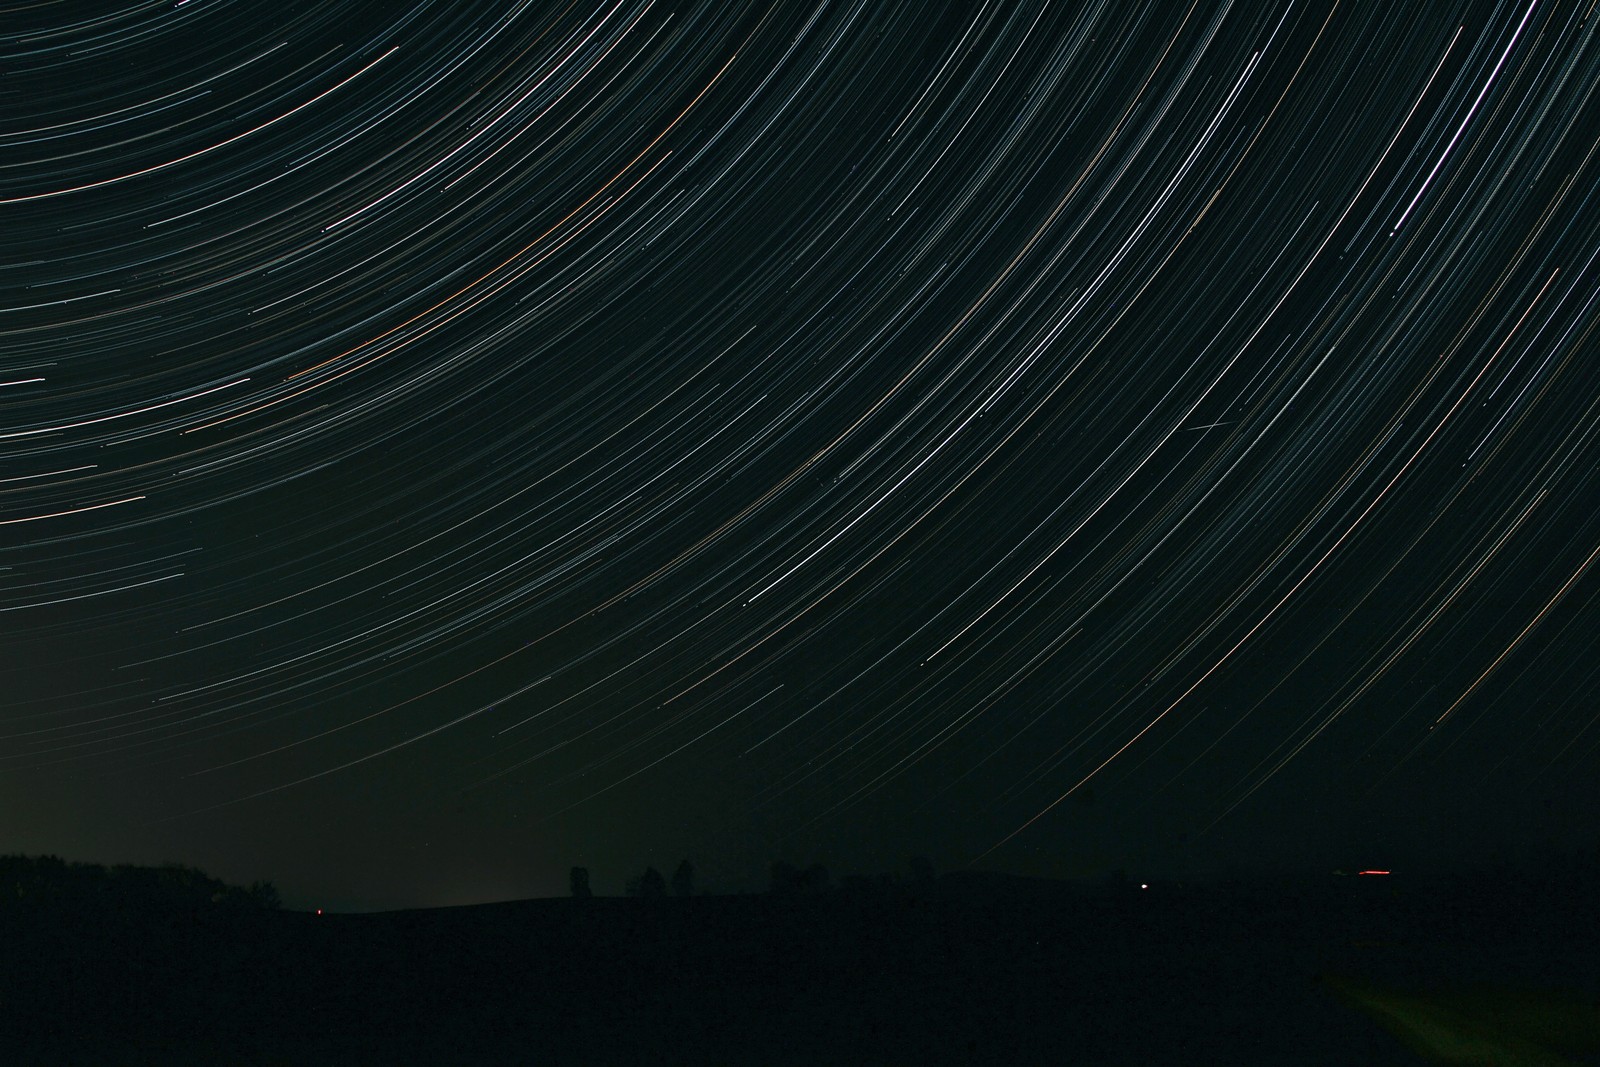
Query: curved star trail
842, 423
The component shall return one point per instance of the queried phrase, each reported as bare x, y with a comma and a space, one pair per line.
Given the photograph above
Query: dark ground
963, 972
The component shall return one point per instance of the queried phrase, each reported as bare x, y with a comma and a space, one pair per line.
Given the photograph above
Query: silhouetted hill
972, 968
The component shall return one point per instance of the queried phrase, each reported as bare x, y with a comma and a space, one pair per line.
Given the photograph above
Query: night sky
442, 443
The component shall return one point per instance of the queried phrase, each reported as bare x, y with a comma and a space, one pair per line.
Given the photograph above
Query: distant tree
783, 878
921, 871
856, 884
683, 880
648, 886
787, 879
265, 895
578, 879
814, 879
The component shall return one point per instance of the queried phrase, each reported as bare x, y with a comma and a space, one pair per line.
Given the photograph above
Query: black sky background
446, 443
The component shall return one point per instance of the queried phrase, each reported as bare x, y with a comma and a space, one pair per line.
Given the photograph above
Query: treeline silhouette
908, 966
1553, 875
41, 881
784, 879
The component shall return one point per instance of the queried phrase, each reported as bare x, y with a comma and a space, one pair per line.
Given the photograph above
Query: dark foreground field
955, 974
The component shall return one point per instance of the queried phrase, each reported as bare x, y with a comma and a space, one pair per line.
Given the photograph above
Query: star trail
443, 443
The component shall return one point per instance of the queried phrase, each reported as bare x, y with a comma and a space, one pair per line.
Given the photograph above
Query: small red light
319, 911
1372, 872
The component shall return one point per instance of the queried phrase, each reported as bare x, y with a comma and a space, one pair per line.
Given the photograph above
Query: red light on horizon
1372, 872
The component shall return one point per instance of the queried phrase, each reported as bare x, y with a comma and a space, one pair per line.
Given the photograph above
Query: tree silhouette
578, 879
683, 880
857, 885
264, 895
783, 878
51, 880
786, 878
648, 886
921, 871
814, 879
